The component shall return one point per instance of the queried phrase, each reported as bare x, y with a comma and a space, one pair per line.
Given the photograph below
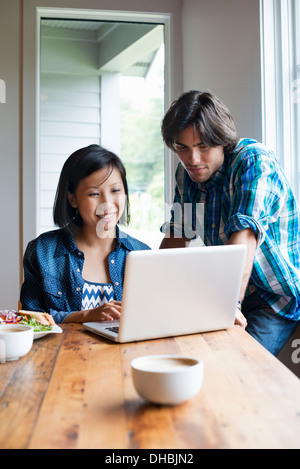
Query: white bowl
167, 379
15, 341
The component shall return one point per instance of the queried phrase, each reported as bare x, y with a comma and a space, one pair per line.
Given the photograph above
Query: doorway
104, 82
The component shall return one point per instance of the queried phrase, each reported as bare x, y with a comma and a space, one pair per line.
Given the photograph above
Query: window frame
280, 115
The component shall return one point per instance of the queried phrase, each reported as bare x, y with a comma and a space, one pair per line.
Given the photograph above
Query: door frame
32, 15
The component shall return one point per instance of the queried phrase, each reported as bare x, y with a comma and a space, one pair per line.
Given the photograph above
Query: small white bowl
167, 379
15, 341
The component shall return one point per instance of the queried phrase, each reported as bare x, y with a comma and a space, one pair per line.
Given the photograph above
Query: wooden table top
74, 390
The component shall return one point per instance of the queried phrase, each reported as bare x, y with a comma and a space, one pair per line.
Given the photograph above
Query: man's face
201, 162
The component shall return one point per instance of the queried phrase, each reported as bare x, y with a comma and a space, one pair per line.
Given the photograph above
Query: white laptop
172, 292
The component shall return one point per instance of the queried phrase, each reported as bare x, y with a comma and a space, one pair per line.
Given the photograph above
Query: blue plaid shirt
250, 190
53, 266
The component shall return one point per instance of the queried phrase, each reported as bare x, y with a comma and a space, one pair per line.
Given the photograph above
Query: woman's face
100, 199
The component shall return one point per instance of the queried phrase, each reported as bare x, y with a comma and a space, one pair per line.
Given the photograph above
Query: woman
76, 273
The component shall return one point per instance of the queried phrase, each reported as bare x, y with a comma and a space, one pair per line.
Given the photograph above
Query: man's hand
170, 242
240, 319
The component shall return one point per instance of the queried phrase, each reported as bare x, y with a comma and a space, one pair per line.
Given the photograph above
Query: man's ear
72, 200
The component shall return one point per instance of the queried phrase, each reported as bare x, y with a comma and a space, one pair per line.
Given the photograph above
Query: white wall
9, 154
69, 108
221, 52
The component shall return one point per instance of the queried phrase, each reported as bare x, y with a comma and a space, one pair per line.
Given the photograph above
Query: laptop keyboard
114, 329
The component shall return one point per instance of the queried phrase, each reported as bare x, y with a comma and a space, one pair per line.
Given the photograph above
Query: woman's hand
107, 312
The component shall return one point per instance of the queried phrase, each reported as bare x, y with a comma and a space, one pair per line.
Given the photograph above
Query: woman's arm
108, 312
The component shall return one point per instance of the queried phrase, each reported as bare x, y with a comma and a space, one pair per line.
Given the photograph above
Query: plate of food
42, 323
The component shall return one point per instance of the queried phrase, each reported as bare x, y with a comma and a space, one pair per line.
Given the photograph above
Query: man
247, 200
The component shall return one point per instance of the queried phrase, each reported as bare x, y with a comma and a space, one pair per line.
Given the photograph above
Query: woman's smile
106, 216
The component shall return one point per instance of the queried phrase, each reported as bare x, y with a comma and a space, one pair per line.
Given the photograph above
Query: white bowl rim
21, 327
134, 363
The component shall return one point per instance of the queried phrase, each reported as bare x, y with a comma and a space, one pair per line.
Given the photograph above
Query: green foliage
142, 152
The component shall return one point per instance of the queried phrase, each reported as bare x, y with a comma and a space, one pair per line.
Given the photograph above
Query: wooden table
74, 390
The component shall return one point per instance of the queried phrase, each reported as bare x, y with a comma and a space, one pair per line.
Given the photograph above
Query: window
280, 35
103, 82
142, 147
296, 89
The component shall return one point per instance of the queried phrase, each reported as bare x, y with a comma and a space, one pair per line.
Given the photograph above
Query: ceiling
128, 48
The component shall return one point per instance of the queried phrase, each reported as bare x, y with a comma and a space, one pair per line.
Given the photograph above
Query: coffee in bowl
166, 363
15, 341
167, 379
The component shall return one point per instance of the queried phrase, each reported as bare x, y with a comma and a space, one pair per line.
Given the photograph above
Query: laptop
180, 291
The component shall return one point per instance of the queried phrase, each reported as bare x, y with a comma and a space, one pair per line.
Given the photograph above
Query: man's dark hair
205, 112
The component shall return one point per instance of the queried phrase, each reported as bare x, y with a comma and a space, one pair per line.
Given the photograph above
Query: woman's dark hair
205, 112
79, 165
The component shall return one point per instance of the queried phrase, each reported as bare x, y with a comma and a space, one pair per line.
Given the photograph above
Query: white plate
55, 330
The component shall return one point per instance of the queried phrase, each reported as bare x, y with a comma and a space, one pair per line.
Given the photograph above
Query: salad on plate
41, 322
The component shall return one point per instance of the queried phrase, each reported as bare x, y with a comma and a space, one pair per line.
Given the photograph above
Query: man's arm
248, 238
170, 241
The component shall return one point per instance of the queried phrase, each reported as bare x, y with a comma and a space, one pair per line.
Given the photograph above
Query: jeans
270, 329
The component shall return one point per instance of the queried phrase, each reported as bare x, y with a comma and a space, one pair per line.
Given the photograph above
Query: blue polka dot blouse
53, 272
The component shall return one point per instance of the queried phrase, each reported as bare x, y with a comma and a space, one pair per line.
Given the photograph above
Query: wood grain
22, 387
74, 390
